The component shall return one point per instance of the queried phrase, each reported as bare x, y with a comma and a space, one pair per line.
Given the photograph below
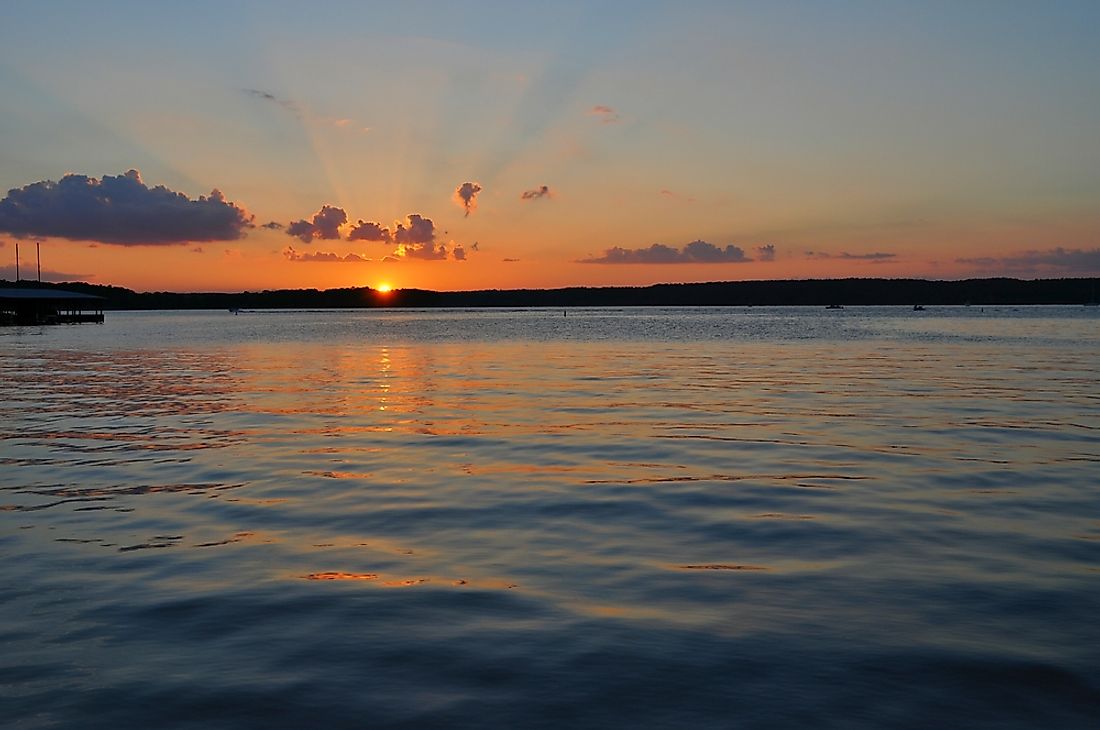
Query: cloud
425, 251
606, 114
466, 196
322, 257
670, 195
416, 230
1054, 259
542, 191
509, 261
415, 238
287, 104
31, 272
696, 252
766, 252
876, 256
369, 231
273, 225
325, 224
121, 210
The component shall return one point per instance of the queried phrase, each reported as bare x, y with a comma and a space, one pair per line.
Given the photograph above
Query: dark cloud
119, 209
273, 225
416, 230
876, 256
766, 252
542, 191
509, 261
369, 231
322, 257
466, 196
696, 252
1073, 260
459, 253
287, 104
325, 224
606, 114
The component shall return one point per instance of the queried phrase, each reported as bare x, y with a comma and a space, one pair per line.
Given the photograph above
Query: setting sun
384, 288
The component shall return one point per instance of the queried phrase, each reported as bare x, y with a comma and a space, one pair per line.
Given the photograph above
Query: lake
643, 518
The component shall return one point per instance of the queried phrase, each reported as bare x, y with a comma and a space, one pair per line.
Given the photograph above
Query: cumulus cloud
542, 191
766, 252
322, 257
119, 209
416, 230
369, 231
325, 224
877, 256
466, 196
1055, 259
415, 237
604, 113
696, 252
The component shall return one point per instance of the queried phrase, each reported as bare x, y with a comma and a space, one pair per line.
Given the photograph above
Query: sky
227, 146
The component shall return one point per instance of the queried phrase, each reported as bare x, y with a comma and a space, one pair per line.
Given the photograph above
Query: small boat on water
918, 307
834, 306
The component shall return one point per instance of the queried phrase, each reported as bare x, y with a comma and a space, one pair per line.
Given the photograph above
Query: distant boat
834, 306
918, 307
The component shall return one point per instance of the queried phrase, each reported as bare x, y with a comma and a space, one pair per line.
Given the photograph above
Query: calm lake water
719, 518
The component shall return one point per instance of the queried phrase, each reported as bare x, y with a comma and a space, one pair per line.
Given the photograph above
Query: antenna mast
17, 262
38, 250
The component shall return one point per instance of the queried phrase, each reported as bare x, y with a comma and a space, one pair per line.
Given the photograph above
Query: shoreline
808, 292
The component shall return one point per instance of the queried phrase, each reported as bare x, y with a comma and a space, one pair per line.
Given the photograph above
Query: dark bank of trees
813, 292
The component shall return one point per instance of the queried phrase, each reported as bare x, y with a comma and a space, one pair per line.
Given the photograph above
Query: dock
22, 307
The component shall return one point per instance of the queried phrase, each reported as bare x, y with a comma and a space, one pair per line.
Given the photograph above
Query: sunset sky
506, 145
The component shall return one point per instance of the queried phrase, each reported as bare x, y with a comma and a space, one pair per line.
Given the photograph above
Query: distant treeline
813, 292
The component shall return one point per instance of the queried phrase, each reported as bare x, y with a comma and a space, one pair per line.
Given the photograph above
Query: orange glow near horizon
384, 288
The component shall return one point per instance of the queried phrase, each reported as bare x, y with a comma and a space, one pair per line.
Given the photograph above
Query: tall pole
38, 250
17, 262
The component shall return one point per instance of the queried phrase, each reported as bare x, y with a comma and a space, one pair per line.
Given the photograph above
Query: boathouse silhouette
48, 306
